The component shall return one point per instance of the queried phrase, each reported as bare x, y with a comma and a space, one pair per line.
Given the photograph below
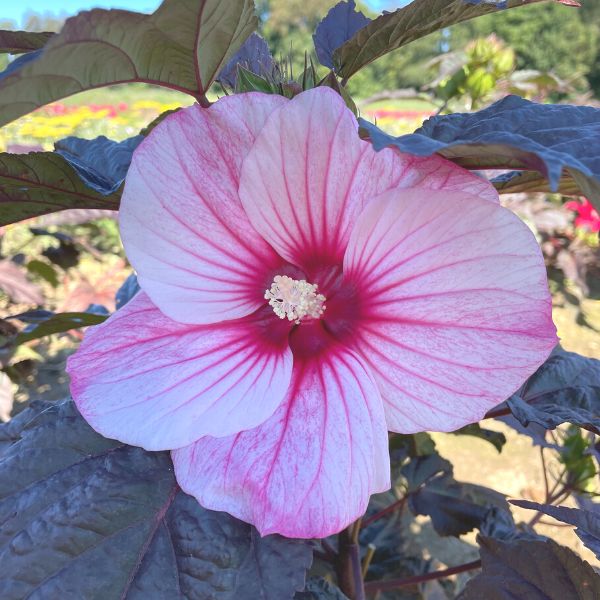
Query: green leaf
43, 270
247, 81
18, 42
496, 438
87, 517
43, 182
60, 323
532, 181
416, 20
182, 46
146, 130
331, 81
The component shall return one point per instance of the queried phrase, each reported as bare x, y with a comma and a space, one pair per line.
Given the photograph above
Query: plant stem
359, 583
368, 558
329, 551
546, 485
203, 101
347, 565
394, 584
399, 504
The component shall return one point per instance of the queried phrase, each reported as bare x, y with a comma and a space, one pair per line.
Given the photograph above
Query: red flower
587, 216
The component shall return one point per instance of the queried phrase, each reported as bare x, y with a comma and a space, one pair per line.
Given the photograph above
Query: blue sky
14, 10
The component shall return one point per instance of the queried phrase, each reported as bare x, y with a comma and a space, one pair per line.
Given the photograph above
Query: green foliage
486, 61
575, 456
391, 31
546, 37
401, 69
43, 182
17, 42
60, 323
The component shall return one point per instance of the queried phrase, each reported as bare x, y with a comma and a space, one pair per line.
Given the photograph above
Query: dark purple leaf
97, 309
14, 283
254, 55
535, 431
61, 237
101, 163
65, 255
587, 523
17, 42
422, 469
454, 508
499, 523
513, 133
340, 24
87, 517
565, 389
320, 589
531, 570
33, 316
127, 291
496, 438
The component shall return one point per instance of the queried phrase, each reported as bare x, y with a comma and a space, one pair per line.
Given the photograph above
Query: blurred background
73, 260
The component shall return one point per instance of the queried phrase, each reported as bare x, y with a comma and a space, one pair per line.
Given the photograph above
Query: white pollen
294, 299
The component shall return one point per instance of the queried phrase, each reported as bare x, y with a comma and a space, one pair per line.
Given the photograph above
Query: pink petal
309, 470
182, 224
454, 305
149, 381
437, 173
309, 175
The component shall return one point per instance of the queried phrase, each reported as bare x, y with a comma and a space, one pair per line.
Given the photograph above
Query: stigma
295, 300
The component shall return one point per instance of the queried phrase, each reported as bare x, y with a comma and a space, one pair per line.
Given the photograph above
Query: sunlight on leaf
182, 45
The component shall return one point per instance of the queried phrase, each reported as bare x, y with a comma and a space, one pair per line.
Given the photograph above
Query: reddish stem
393, 584
387, 510
497, 412
203, 101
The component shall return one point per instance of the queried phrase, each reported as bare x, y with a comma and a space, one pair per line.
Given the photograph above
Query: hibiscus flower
301, 295
587, 216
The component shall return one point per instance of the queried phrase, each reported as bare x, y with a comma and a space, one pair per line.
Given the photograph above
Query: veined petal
182, 224
149, 381
437, 173
309, 470
454, 307
309, 175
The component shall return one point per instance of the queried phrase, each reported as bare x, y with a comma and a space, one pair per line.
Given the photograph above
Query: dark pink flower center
324, 317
